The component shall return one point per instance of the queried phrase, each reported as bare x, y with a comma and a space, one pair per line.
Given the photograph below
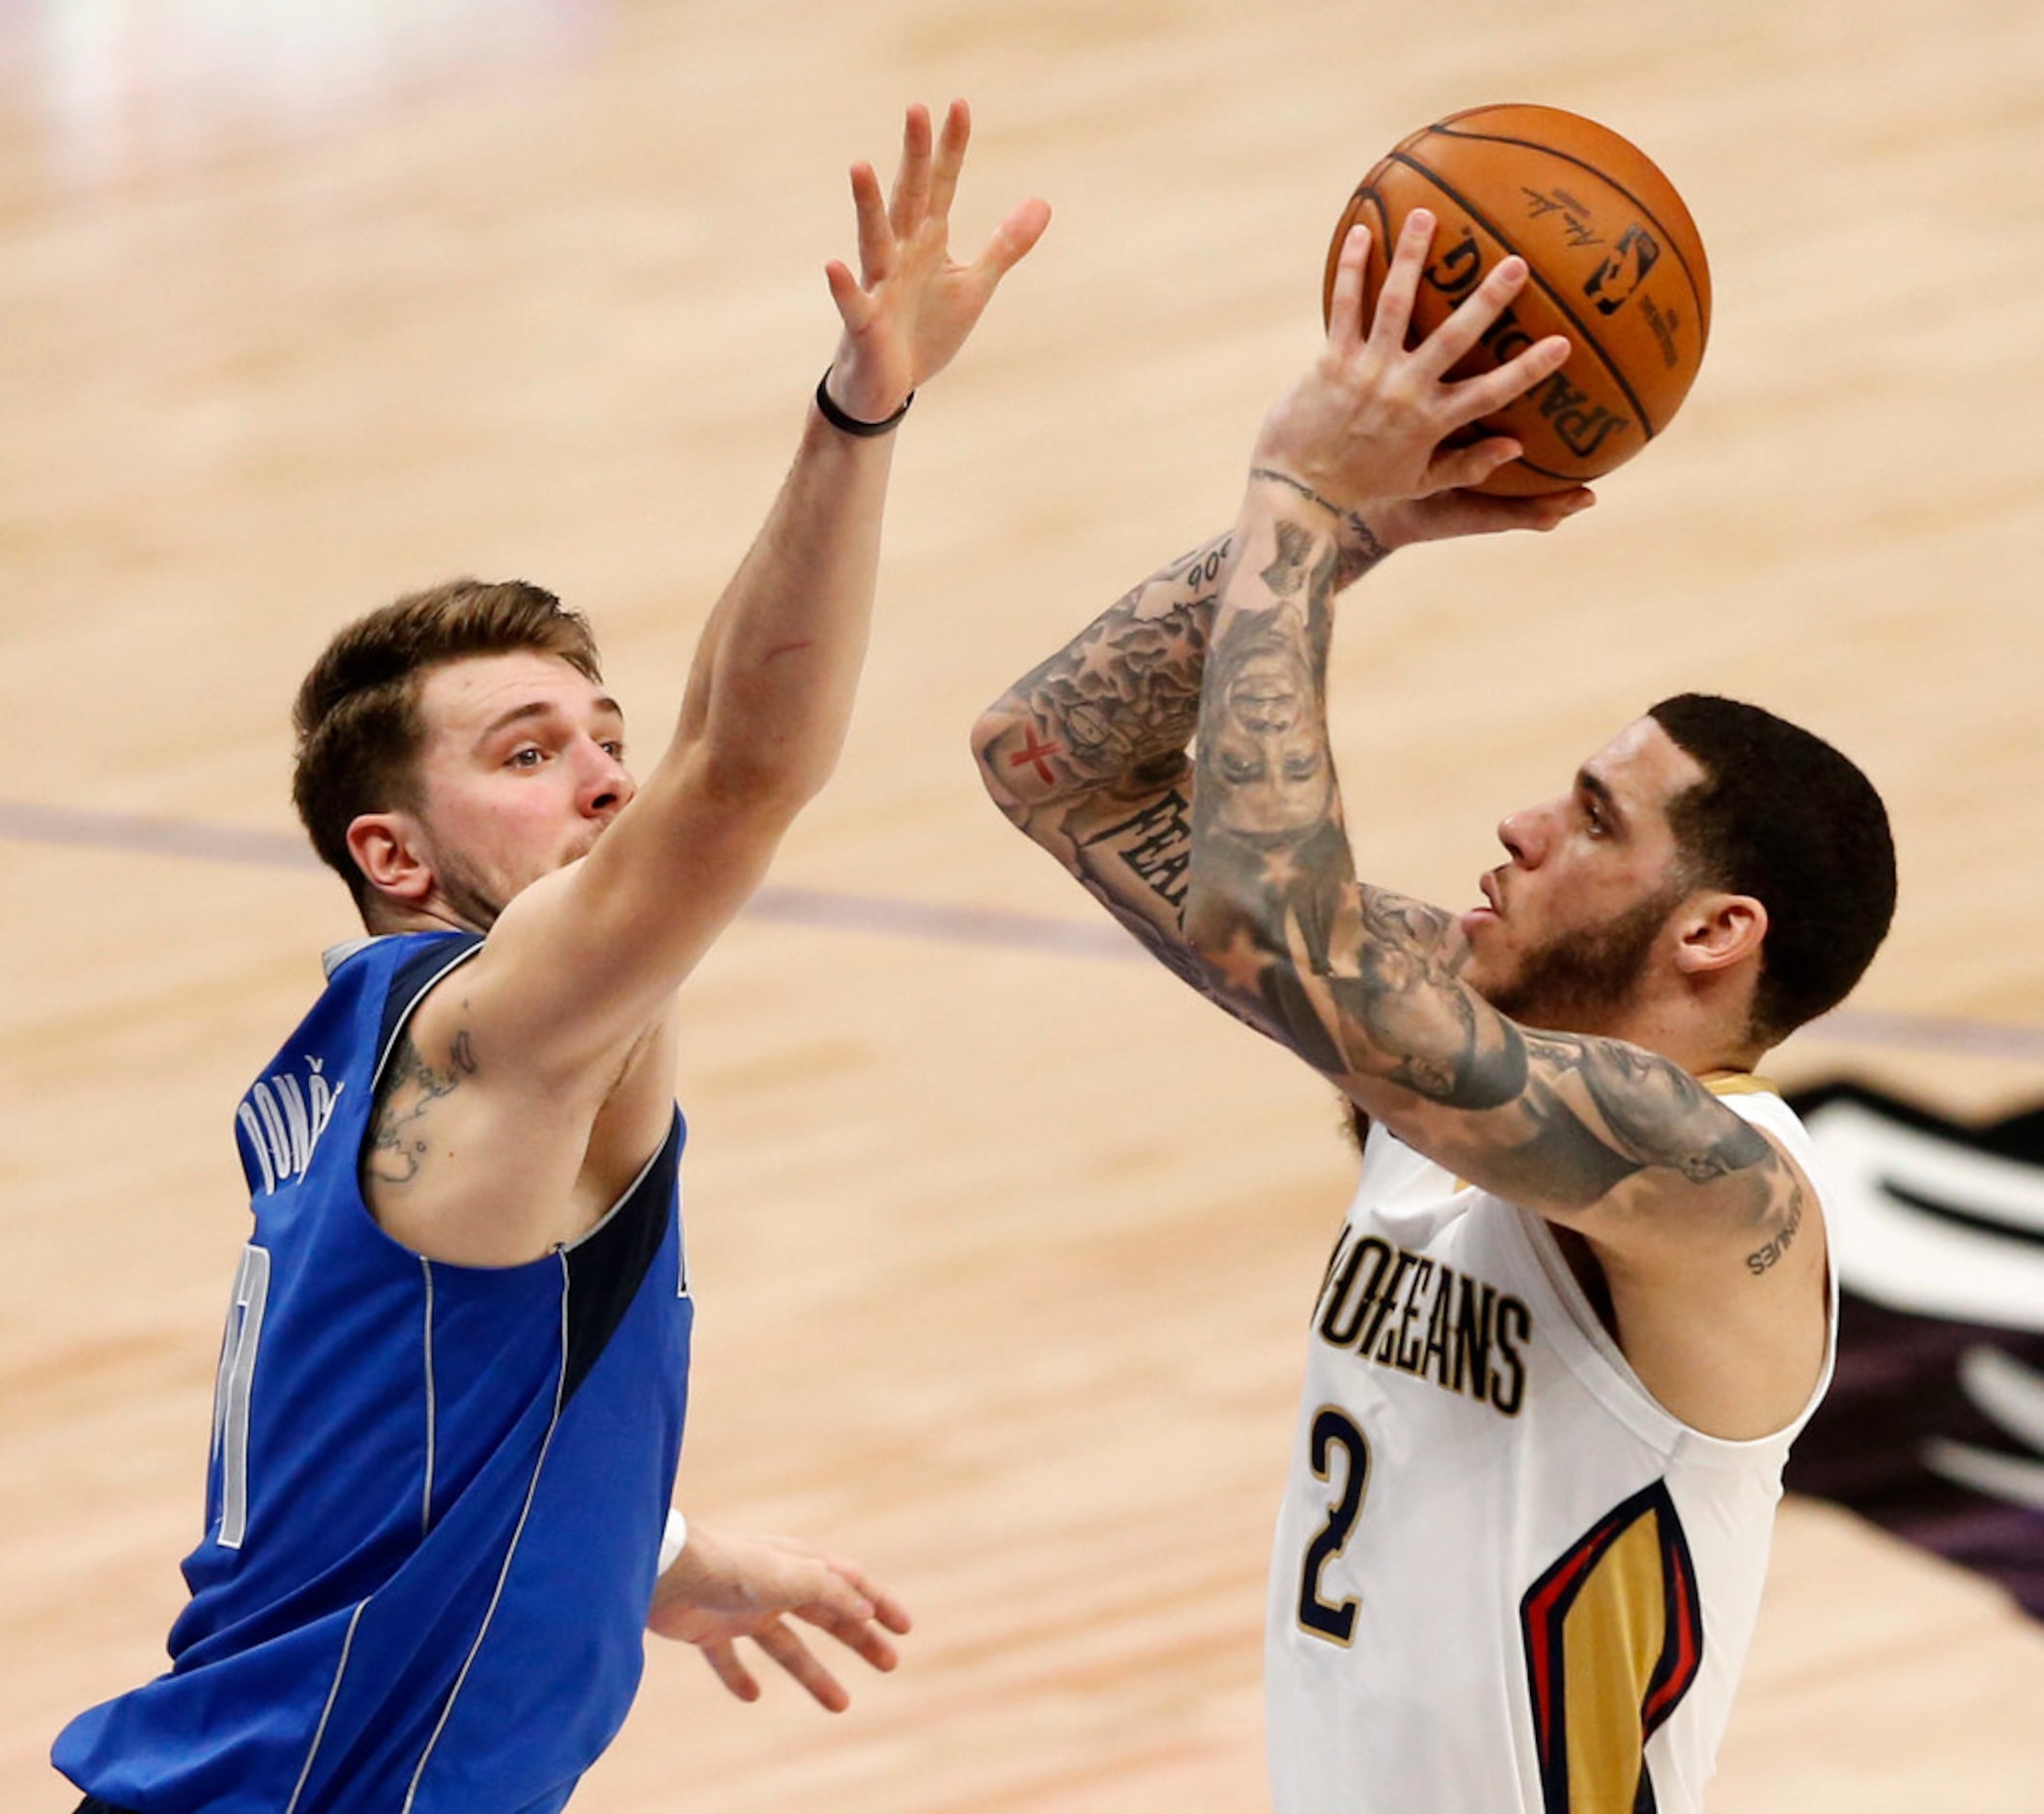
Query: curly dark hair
1784, 817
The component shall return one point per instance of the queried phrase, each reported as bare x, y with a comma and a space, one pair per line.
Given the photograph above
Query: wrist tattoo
1367, 550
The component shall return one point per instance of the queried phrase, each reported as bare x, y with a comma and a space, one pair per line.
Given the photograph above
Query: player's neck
384, 917
1702, 1040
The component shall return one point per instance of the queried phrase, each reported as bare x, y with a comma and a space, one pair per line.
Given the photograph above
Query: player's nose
1524, 836
607, 784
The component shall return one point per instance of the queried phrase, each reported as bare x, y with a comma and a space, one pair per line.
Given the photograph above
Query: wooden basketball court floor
1002, 1242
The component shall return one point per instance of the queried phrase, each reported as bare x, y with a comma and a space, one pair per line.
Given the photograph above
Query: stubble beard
473, 900
1581, 982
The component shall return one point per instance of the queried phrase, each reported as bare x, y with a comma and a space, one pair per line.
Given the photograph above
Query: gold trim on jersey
1613, 1634
1738, 1084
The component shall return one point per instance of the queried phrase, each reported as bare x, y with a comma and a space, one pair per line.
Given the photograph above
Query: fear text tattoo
398, 1147
1155, 843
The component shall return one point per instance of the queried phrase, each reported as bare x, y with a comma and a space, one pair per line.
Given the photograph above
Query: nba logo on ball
1615, 261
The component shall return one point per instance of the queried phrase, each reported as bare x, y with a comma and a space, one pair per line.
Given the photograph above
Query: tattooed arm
1087, 754
1692, 1214
544, 1076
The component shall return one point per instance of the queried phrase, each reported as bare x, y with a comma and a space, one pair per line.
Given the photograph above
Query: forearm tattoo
1361, 550
1367, 984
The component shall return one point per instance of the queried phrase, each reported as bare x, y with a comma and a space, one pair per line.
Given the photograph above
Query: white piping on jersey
560, 1381
518, 1531
425, 1516
397, 1033
336, 956
404, 1020
319, 1732
624, 1197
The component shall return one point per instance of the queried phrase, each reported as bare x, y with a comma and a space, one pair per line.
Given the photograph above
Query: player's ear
1719, 931
388, 849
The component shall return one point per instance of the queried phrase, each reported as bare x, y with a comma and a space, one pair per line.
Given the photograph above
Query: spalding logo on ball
1615, 263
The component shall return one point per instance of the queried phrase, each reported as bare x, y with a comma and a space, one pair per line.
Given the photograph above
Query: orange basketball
1616, 264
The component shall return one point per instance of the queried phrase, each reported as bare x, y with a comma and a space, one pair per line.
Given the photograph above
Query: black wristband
851, 424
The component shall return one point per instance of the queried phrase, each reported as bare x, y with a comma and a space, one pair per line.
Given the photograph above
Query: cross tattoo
1037, 754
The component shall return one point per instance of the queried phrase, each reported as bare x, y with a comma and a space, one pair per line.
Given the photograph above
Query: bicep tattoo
1788, 1224
1662, 1116
1606, 1111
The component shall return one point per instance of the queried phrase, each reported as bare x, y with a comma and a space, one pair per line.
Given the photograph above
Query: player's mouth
1491, 911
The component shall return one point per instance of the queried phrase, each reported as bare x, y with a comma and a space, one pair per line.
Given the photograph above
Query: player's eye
529, 756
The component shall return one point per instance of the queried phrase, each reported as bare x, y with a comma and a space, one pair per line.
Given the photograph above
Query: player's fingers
868, 1641
1476, 315
854, 306
1455, 468
1475, 513
862, 1635
891, 1612
1395, 301
951, 158
724, 1661
1345, 306
1012, 240
1551, 511
1479, 396
912, 181
885, 1608
876, 240
795, 1657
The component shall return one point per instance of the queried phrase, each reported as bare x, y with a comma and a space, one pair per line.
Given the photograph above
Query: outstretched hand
724, 1588
1379, 429
910, 308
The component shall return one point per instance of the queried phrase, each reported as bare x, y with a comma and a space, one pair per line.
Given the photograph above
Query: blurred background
1004, 1243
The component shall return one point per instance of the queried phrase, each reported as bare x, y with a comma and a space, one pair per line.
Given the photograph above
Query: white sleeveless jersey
1504, 1578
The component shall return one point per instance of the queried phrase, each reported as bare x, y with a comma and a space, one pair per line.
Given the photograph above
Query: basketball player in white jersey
452, 1391
1581, 1302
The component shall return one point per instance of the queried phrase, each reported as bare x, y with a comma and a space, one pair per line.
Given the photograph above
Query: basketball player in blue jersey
1581, 1301
451, 1393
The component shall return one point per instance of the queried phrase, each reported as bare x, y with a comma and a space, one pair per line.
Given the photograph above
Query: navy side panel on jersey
437, 1492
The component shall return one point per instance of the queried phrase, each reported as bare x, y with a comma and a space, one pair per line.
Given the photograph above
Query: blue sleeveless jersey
437, 1492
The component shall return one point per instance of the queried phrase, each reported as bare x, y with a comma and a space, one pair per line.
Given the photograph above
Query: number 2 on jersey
1333, 1429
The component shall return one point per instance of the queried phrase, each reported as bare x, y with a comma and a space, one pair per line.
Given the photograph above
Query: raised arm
584, 960
1088, 753
1684, 1204
547, 1066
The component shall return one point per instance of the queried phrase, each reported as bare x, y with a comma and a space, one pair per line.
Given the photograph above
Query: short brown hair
356, 713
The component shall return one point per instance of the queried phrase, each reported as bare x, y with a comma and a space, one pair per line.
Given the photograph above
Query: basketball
1614, 261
